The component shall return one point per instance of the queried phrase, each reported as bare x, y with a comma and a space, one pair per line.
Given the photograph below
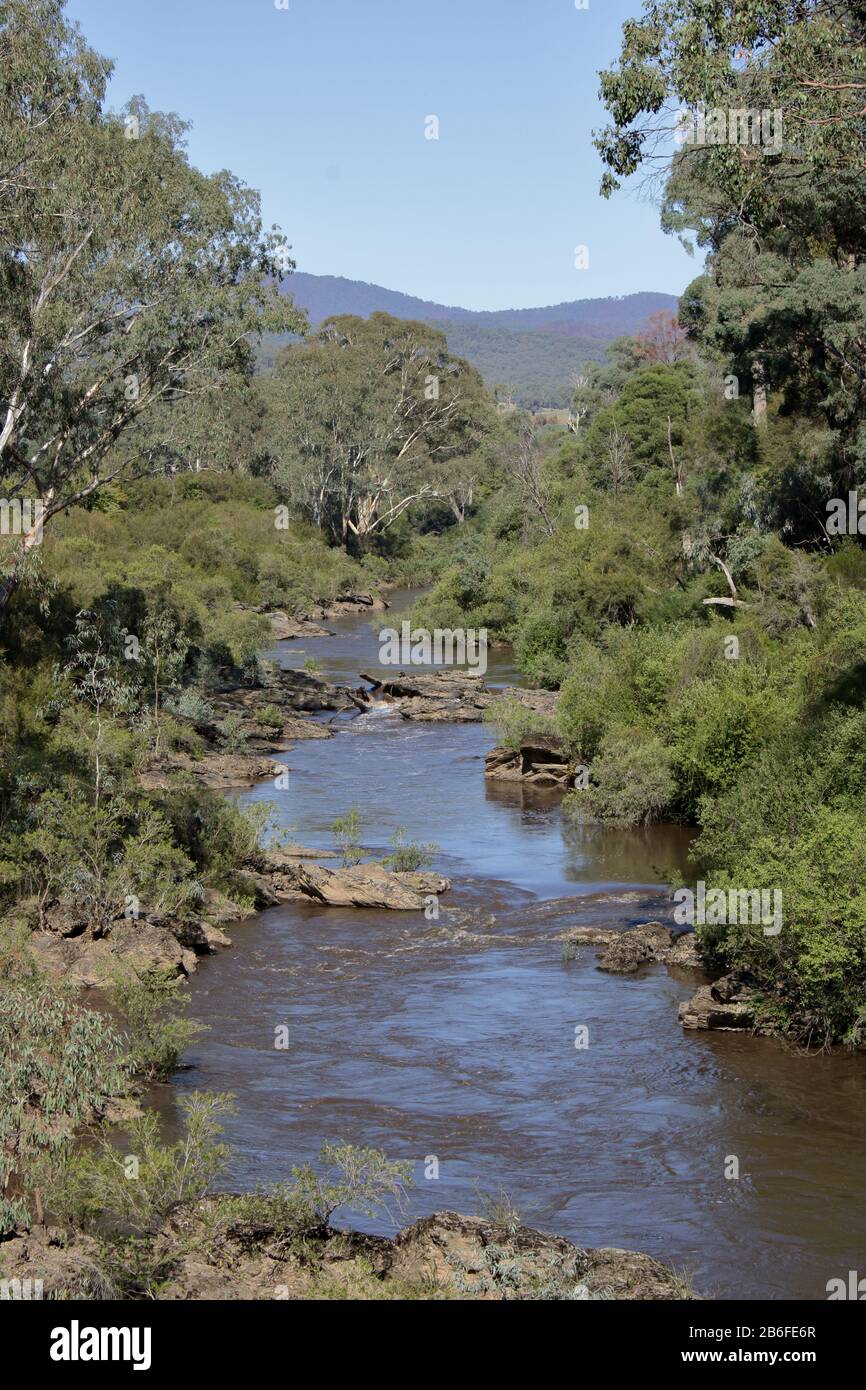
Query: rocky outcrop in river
451, 697
625, 951
539, 761
71, 948
366, 885
726, 1005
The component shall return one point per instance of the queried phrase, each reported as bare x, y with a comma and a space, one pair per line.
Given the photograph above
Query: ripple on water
456, 1038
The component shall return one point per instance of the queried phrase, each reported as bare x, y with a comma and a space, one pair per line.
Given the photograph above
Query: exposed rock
288, 853
593, 936
362, 885
285, 628
218, 909
172, 944
626, 950
286, 690
58, 1267
451, 697
219, 771
88, 962
540, 761
209, 1252
684, 952
728, 989
714, 1008
347, 604
631, 949
216, 939
201, 937
422, 881
539, 701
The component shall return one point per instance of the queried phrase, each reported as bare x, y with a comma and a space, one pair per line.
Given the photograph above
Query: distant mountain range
534, 351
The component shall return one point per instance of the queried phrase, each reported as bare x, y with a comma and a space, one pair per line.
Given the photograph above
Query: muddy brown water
455, 1039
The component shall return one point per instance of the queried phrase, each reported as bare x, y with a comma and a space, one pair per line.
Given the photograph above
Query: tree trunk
759, 394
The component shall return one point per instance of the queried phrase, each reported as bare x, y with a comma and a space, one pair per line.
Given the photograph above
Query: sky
324, 108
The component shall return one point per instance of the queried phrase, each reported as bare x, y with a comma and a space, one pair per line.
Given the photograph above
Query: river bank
241, 1248
456, 1037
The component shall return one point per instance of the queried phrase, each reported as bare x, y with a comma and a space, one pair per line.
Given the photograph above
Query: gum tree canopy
127, 278
368, 418
784, 222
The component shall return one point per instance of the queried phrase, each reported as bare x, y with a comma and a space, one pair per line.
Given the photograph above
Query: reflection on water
455, 1037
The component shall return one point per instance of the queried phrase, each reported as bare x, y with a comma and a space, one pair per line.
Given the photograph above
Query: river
455, 1038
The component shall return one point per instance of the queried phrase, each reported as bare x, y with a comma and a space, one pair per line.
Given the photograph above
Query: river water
455, 1039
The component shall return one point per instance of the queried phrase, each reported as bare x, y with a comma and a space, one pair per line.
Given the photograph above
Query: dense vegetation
667, 565
671, 569
530, 355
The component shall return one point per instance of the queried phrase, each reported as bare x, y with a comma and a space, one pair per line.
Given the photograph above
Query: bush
271, 717
407, 858
187, 704
130, 1191
233, 736
513, 721
151, 1007
220, 838
95, 861
347, 832
813, 973
59, 1065
632, 782
360, 1180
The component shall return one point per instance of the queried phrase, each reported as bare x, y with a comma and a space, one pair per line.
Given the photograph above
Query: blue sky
322, 108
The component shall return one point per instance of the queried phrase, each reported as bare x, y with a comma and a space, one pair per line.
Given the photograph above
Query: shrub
407, 858
131, 1190
632, 783
59, 1064
513, 721
814, 971
270, 716
187, 704
233, 736
151, 1007
347, 831
361, 1180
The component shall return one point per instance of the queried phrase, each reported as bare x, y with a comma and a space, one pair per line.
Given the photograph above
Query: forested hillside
532, 355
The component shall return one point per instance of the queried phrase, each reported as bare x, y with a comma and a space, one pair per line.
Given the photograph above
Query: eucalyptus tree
783, 220
367, 419
59, 1064
128, 279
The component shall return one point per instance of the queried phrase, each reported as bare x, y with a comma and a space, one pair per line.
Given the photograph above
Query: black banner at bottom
86, 1340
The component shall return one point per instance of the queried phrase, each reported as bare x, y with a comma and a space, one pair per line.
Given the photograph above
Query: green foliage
499, 1209
514, 720
814, 972
347, 832
151, 1009
361, 1180
220, 838
366, 419
59, 1065
632, 781
130, 1190
784, 298
233, 736
97, 863
271, 717
409, 857
149, 275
